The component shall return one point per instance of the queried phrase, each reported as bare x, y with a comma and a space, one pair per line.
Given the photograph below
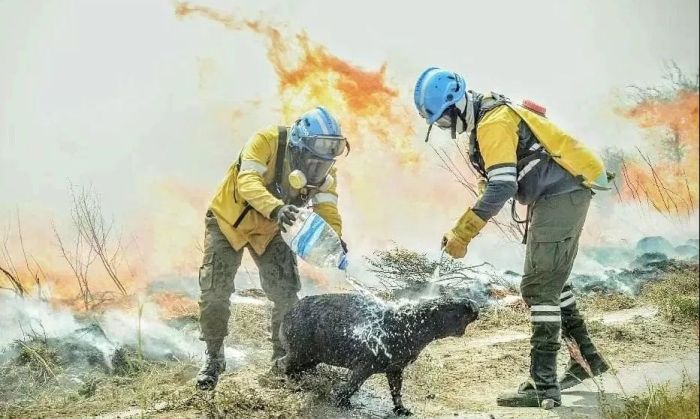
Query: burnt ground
644, 337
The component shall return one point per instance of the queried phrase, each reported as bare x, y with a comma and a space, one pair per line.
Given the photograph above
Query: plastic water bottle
313, 240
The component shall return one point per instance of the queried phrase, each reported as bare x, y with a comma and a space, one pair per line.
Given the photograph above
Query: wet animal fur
367, 336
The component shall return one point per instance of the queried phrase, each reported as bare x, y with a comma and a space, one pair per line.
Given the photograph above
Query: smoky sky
122, 95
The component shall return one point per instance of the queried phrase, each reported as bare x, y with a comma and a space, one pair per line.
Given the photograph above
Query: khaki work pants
279, 278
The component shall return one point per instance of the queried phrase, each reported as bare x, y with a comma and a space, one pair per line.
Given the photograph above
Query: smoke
109, 331
153, 117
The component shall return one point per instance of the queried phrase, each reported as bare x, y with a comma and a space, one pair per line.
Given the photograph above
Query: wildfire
308, 74
387, 165
669, 181
173, 305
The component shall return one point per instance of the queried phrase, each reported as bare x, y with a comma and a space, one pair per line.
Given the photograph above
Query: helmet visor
325, 146
316, 170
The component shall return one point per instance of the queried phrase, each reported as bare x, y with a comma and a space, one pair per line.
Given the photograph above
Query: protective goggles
314, 168
326, 146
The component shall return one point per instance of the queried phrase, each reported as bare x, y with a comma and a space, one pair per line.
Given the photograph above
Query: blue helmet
436, 90
318, 132
315, 141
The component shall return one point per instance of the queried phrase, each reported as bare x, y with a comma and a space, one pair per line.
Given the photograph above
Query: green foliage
676, 296
660, 402
127, 361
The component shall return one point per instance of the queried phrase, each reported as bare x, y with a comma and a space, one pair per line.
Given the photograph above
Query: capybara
367, 336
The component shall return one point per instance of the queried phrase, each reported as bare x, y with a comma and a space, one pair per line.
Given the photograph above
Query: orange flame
384, 185
669, 182
309, 75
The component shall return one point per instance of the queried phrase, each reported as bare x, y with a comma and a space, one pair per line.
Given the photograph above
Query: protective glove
284, 215
344, 245
455, 241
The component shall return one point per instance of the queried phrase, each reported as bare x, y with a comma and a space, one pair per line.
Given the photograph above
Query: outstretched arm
497, 135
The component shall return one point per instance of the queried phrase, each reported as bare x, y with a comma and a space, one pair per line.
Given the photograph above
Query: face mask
297, 180
307, 168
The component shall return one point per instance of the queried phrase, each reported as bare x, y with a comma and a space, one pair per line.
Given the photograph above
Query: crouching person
259, 196
521, 154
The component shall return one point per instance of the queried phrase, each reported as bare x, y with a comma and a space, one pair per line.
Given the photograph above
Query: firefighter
259, 196
520, 153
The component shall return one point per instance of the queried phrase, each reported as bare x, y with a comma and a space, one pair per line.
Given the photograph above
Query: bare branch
90, 224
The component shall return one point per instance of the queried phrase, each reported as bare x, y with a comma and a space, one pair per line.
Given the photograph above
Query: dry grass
449, 377
660, 402
249, 325
676, 296
496, 317
606, 302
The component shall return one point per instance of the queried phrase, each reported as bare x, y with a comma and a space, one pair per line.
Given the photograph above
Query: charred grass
449, 377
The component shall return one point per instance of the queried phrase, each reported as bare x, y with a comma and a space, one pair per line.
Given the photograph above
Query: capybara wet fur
367, 336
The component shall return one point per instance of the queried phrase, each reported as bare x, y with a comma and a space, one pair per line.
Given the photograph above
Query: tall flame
385, 185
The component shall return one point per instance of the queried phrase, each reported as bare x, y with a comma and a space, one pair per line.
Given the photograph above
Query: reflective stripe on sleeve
501, 171
502, 174
527, 168
325, 198
503, 178
253, 166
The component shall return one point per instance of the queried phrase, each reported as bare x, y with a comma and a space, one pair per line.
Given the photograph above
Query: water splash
372, 333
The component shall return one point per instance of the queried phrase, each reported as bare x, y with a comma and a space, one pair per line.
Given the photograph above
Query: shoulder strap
281, 151
490, 102
276, 186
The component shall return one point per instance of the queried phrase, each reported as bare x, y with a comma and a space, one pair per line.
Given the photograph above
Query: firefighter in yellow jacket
520, 153
259, 196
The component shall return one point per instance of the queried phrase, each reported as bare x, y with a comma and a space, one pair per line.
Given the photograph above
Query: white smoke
22, 318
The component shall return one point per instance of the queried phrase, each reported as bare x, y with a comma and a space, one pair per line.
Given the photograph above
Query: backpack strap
275, 188
482, 105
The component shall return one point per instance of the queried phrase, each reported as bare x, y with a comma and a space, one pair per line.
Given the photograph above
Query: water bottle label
343, 264
308, 235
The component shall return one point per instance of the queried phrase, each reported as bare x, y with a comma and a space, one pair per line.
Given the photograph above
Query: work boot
214, 365
542, 389
575, 373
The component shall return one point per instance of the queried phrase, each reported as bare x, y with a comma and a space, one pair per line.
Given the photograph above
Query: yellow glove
456, 240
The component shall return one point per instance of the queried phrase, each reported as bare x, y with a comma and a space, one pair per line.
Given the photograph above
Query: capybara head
452, 315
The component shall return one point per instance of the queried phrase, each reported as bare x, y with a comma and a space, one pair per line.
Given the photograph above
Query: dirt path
461, 377
583, 401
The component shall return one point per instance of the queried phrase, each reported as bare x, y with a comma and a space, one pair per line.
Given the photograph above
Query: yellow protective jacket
248, 183
525, 155
507, 134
